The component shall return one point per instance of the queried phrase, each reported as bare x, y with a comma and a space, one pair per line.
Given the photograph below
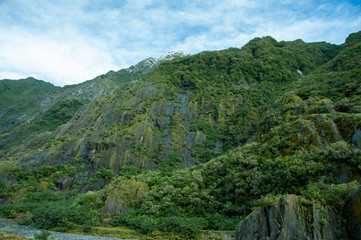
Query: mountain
197, 139
23, 100
185, 112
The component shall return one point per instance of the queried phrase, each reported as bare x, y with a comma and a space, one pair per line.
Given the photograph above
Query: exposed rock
149, 64
122, 195
290, 218
254, 226
352, 214
356, 137
63, 183
171, 55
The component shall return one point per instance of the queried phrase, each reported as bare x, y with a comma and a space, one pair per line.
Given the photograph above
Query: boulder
290, 218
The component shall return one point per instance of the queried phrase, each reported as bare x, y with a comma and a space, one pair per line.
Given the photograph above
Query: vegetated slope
282, 116
39, 113
185, 112
21, 100
308, 144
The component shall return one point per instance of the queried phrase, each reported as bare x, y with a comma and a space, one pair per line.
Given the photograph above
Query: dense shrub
52, 210
43, 235
186, 227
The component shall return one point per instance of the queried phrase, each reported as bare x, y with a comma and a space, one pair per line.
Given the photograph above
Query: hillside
24, 100
32, 106
20, 100
222, 133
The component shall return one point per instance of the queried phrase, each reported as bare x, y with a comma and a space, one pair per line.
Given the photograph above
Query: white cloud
13, 75
68, 42
52, 59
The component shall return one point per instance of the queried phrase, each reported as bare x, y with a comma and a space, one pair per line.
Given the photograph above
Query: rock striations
290, 218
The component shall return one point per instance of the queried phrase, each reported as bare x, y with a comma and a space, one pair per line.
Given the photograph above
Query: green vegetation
59, 114
216, 194
195, 145
18, 98
43, 235
52, 210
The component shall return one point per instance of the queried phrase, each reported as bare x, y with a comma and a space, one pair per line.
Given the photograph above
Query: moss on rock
122, 195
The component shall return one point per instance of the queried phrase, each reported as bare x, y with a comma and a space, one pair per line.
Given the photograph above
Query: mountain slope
24, 100
185, 112
223, 132
21, 100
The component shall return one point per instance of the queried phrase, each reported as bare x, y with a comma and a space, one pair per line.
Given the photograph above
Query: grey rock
289, 218
356, 137
352, 215
63, 183
171, 55
254, 226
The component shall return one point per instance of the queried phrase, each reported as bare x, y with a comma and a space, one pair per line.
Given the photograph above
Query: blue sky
68, 42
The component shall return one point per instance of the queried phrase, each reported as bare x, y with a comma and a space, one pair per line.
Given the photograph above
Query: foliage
231, 185
53, 210
59, 113
145, 223
342, 152
43, 235
21, 96
102, 173
186, 227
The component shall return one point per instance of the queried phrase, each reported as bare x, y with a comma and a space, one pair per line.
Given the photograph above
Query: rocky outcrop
122, 195
290, 218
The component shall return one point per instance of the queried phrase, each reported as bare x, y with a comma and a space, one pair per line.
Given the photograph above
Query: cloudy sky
70, 41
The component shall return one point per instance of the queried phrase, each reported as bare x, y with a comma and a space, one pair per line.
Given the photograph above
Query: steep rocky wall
144, 126
291, 218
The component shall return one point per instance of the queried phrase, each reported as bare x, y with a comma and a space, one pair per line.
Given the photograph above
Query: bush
221, 222
52, 210
145, 223
186, 227
43, 235
342, 152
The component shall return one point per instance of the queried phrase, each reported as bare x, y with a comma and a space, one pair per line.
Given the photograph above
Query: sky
70, 41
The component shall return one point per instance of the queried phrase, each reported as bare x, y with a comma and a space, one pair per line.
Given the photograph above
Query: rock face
123, 195
352, 214
289, 218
